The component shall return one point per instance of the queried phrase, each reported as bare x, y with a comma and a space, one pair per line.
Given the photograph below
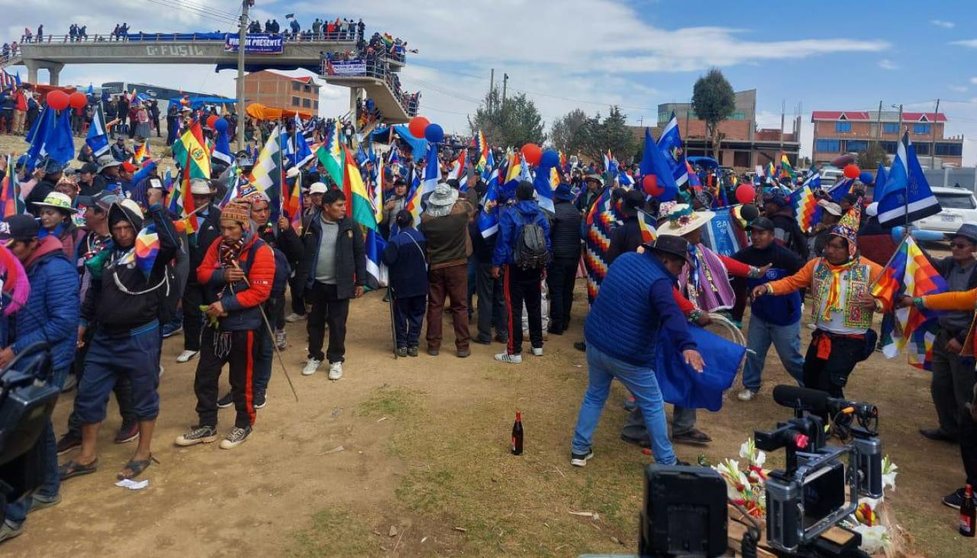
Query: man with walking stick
407, 265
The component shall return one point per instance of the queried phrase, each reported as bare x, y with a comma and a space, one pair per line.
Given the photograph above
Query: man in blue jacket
50, 316
773, 319
522, 280
635, 302
405, 256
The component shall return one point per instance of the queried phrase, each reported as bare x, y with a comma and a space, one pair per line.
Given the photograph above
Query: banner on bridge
256, 43
345, 67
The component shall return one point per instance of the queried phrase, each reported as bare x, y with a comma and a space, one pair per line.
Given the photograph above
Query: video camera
808, 497
27, 400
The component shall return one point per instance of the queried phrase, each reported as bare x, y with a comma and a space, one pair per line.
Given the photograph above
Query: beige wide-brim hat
680, 220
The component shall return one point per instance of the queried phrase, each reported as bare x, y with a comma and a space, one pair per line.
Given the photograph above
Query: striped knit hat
238, 210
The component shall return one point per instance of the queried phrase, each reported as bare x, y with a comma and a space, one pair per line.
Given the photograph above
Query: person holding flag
840, 284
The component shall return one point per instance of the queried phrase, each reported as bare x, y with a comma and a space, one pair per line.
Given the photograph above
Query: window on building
949, 149
296, 86
306, 103
827, 146
307, 88
741, 158
316, 104
296, 102
856, 145
922, 128
842, 127
890, 147
922, 148
738, 115
890, 127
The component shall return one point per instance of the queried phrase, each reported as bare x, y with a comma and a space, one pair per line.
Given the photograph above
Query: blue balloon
866, 177
221, 125
434, 133
550, 158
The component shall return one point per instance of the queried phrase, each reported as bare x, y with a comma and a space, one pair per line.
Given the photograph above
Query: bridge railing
302, 37
375, 69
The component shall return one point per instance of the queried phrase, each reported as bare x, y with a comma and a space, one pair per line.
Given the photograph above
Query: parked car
959, 207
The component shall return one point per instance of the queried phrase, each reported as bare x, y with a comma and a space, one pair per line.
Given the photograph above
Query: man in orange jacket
240, 268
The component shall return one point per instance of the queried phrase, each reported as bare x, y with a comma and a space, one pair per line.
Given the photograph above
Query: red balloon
211, 120
745, 193
57, 99
650, 185
852, 171
417, 126
532, 153
77, 100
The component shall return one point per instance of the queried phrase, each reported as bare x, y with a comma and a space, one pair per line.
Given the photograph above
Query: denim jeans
786, 340
641, 381
17, 511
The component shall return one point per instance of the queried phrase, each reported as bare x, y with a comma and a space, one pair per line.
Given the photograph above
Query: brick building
742, 145
273, 89
840, 132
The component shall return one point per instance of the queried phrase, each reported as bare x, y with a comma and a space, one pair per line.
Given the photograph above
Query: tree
616, 135
872, 157
514, 123
567, 133
593, 136
713, 101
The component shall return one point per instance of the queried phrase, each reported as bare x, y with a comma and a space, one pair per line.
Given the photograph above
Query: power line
178, 4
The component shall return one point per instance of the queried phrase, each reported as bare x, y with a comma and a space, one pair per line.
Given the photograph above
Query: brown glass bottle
517, 435
968, 513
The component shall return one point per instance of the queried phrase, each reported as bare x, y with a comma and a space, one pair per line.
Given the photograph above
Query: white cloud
973, 80
943, 24
957, 88
887, 64
971, 43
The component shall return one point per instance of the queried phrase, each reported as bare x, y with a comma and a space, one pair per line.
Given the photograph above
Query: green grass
334, 532
387, 401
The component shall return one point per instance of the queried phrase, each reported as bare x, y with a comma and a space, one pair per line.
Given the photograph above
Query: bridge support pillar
54, 71
53, 68
32, 67
354, 95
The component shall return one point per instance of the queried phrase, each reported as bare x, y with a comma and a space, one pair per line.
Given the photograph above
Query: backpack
530, 250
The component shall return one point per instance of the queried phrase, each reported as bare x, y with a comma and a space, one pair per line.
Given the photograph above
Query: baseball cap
18, 227
103, 200
90, 168
317, 188
761, 224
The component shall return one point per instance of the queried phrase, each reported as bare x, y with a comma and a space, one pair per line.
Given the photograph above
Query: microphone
819, 402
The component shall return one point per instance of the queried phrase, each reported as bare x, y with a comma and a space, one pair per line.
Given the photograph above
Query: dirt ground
409, 457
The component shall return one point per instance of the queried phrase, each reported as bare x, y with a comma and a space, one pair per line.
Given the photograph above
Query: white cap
200, 187
132, 206
317, 188
872, 210
292, 172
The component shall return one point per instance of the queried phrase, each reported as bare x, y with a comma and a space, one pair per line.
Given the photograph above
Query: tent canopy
261, 112
197, 102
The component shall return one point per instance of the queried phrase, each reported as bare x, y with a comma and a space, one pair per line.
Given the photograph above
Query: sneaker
506, 357
954, 499
68, 442
746, 395
537, 351
235, 437
433, 352
226, 401
293, 317
185, 356
197, 435
412, 351
280, 340
401, 351
694, 437
69, 383
630, 404
581, 459
39, 502
127, 433
335, 370
171, 330
486, 340
8, 531
311, 367
260, 401
464, 353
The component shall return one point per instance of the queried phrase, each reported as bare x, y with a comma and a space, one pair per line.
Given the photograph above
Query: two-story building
840, 132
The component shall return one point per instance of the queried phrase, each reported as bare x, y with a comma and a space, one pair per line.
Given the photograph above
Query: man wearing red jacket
239, 268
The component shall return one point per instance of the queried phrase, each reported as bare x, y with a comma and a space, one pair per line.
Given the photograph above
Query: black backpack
530, 250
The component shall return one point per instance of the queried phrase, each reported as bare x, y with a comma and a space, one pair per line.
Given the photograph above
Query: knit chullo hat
847, 228
239, 211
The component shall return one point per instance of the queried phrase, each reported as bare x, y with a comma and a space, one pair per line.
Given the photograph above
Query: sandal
74, 469
136, 467
694, 436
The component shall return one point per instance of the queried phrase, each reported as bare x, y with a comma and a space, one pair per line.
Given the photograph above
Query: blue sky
588, 54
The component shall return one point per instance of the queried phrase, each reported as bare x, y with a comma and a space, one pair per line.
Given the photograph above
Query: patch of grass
334, 532
387, 401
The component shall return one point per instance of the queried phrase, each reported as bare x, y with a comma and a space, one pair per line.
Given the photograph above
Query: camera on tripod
809, 495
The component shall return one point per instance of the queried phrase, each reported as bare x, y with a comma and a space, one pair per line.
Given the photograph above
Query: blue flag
670, 144
653, 162
37, 137
684, 387
544, 188
881, 177
488, 220
840, 189
61, 146
222, 148
98, 138
907, 196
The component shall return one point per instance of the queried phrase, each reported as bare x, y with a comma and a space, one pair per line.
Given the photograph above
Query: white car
959, 207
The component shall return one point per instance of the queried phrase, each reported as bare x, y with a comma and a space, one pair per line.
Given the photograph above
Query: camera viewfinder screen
824, 492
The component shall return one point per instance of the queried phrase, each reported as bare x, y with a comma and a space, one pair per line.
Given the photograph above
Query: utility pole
685, 137
783, 108
936, 118
878, 125
241, 46
491, 89
505, 84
